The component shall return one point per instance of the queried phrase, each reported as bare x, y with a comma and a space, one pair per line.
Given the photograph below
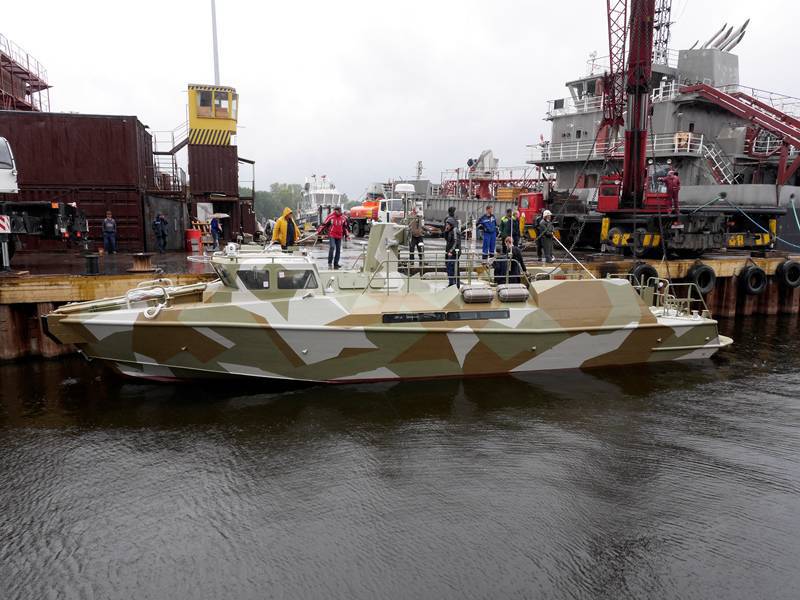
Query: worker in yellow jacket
286, 230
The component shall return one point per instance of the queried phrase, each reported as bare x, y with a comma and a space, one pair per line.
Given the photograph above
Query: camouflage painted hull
357, 335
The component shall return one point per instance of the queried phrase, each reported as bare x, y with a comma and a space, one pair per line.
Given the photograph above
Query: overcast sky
361, 90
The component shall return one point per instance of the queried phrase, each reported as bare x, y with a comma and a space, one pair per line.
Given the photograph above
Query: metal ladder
721, 166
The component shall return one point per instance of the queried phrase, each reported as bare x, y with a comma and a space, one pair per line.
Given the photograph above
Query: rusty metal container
213, 170
64, 150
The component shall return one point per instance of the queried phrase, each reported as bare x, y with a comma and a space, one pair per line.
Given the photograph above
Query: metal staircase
167, 176
720, 164
764, 116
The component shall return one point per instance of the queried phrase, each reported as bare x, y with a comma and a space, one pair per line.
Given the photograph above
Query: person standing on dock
286, 230
216, 231
509, 226
336, 226
160, 229
536, 224
505, 224
109, 234
417, 233
488, 224
452, 238
545, 232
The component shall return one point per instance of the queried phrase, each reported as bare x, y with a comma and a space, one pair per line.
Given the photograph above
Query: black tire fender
643, 273
703, 276
788, 274
753, 280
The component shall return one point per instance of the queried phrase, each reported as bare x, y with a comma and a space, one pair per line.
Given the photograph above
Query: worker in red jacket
336, 227
673, 183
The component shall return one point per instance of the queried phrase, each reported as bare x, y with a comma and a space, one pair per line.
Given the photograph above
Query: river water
677, 481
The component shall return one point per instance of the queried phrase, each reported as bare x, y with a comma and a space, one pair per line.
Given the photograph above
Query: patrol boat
276, 315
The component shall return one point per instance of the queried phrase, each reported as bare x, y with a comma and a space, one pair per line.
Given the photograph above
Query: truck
376, 207
19, 218
362, 215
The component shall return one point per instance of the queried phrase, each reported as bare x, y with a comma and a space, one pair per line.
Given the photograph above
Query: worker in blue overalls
488, 224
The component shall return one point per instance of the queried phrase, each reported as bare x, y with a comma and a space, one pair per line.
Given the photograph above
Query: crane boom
614, 80
638, 84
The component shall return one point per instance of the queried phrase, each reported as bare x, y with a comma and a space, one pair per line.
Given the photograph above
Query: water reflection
672, 480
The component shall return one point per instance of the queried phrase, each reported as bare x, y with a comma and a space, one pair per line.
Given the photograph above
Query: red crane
628, 192
638, 77
614, 80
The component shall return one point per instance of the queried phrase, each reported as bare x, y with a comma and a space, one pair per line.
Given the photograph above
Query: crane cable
581, 172
664, 260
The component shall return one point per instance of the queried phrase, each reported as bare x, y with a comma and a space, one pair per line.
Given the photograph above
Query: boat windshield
227, 279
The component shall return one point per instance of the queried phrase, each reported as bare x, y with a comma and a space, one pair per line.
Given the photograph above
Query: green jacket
509, 226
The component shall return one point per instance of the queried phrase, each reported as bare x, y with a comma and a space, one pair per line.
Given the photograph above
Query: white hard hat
547, 213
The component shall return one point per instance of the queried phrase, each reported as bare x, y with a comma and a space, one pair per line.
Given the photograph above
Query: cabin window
477, 315
578, 134
5, 157
418, 317
297, 280
221, 105
234, 106
255, 280
691, 127
204, 101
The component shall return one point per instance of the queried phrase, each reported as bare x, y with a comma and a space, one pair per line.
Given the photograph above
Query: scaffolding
23, 80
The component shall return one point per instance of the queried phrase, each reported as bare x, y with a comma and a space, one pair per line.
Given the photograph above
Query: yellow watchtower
212, 114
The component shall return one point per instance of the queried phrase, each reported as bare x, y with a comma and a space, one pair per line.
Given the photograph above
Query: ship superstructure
736, 149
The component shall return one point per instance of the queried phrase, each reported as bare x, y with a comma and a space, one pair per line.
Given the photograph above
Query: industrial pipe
727, 35
714, 37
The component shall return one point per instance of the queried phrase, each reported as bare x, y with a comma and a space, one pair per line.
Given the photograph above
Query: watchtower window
221, 105
204, 99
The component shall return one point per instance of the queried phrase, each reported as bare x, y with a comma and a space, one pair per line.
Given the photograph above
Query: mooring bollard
92, 263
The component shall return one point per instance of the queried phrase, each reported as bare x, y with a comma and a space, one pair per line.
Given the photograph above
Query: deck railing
674, 299
668, 91
664, 144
